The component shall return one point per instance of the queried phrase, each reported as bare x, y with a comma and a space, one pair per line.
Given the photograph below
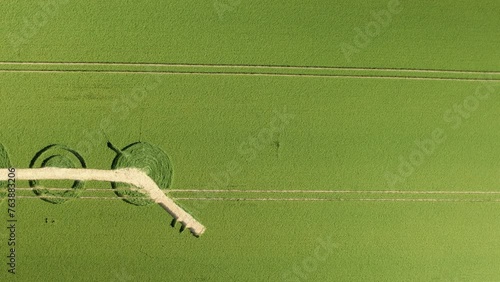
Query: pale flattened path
128, 175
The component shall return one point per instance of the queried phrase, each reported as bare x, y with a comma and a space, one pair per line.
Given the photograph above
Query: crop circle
62, 157
148, 158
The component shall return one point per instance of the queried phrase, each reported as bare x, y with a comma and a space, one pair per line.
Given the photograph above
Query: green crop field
315, 140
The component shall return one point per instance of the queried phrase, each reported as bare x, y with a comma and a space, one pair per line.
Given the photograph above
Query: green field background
425, 34
346, 133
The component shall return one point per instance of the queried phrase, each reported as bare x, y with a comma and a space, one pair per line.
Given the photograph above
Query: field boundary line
282, 199
283, 67
388, 77
332, 191
342, 199
281, 191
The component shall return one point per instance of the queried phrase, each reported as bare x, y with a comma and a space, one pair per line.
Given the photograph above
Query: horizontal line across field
284, 195
249, 70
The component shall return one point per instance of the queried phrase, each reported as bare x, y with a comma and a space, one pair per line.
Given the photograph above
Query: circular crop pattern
4, 163
148, 158
62, 157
